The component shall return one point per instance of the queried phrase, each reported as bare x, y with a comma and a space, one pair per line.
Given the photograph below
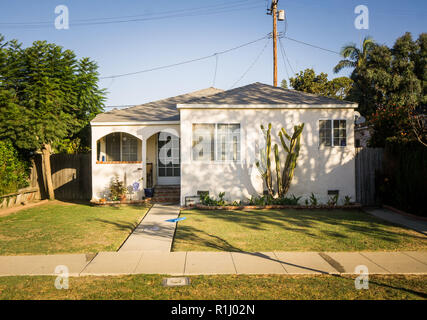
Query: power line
253, 63
216, 67
207, 10
183, 62
284, 61
284, 54
308, 44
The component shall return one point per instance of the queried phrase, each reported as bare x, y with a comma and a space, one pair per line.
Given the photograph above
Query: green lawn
291, 230
60, 227
270, 287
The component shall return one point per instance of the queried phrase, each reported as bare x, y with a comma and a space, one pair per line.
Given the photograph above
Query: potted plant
117, 190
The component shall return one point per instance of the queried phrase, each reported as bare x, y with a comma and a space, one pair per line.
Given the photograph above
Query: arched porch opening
119, 147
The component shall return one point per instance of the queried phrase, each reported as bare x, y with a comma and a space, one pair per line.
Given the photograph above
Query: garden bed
275, 206
125, 202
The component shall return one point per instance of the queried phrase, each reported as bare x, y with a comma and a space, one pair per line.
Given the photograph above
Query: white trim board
267, 106
132, 123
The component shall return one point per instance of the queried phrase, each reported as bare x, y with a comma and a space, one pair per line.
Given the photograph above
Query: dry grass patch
67, 228
271, 287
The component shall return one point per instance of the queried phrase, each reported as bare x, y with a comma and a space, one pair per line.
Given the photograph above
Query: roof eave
267, 106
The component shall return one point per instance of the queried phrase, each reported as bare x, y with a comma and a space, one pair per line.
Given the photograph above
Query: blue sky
132, 46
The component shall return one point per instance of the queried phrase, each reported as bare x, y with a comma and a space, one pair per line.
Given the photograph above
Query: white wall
319, 169
131, 172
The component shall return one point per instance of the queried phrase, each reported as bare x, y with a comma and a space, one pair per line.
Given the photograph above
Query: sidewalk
208, 263
154, 233
388, 215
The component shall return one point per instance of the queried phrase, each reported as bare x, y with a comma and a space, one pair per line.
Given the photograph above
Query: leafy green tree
46, 96
308, 81
340, 88
355, 57
284, 84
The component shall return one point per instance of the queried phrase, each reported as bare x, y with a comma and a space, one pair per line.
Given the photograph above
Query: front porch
140, 155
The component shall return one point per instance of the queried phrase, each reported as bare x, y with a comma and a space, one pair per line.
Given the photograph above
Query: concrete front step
164, 192
171, 200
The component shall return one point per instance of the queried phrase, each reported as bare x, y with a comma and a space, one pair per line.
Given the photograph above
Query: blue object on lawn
176, 220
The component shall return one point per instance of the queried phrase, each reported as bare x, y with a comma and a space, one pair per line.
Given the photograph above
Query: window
120, 146
220, 142
332, 133
168, 155
228, 142
203, 142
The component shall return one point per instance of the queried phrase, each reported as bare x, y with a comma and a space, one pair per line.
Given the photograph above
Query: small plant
208, 201
117, 189
313, 200
333, 200
290, 201
306, 202
347, 200
236, 203
221, 201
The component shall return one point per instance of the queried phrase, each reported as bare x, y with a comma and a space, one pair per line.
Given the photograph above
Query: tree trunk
47, 172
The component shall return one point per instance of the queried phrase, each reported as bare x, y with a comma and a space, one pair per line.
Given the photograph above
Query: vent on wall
333, 192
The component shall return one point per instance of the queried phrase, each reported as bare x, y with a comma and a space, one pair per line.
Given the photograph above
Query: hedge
403, 183
13, 169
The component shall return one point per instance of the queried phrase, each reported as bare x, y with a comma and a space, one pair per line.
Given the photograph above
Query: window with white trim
216, 142
120, 146
332, 133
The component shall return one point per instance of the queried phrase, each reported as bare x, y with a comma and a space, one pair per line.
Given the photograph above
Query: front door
168, 159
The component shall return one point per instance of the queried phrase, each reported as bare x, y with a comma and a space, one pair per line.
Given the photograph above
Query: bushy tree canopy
392, 76
46, 93
308, 81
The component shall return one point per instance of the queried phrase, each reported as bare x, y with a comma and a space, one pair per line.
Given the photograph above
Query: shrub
13, 169
117, 188
208, 201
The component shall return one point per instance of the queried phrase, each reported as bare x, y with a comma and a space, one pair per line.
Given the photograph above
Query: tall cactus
278, 173
265, 166
291, 158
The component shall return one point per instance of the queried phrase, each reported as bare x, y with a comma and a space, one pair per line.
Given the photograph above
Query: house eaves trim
131, 123
267, 106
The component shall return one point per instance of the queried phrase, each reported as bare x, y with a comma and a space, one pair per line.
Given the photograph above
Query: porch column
144, 163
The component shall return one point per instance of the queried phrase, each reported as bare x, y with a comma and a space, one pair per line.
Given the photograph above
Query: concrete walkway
154, 233
388, 215
207, 263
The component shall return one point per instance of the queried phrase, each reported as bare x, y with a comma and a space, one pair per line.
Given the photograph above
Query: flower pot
148, 192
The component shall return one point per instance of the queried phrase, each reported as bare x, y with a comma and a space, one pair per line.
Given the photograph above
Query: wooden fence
368, 166
71, 176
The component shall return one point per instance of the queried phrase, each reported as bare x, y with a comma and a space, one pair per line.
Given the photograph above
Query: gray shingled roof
259, 93
160, 110
254, 94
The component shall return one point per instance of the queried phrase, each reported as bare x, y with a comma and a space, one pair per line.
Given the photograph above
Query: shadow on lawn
304, 220
120, 225
215, 242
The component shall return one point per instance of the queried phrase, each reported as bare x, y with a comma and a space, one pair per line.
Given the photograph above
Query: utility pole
273, 11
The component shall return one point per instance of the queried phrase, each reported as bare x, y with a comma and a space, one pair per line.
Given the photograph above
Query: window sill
117, 162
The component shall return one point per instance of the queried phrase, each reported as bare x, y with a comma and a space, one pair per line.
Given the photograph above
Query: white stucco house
210, 140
